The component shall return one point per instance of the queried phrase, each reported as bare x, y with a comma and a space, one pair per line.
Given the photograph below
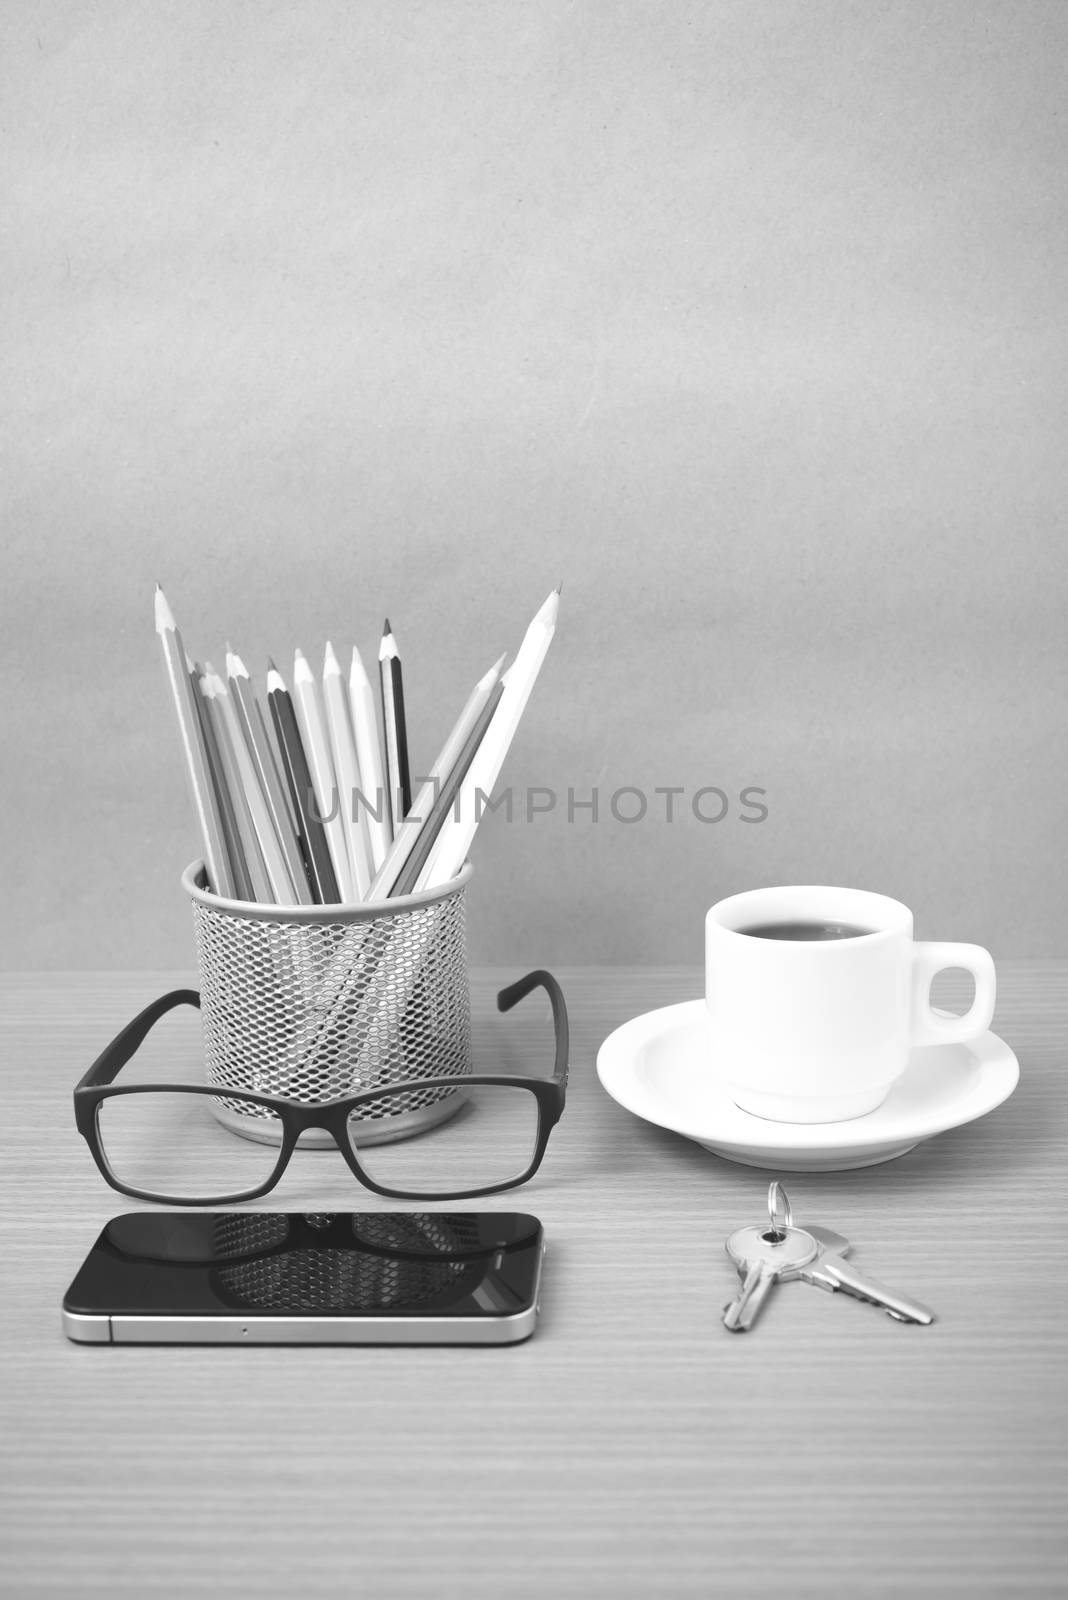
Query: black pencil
310, 830
395, 729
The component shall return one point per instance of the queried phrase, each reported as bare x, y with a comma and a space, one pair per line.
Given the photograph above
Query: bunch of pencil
303, 796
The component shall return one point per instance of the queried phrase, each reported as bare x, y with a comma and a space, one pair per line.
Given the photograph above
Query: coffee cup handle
928, 959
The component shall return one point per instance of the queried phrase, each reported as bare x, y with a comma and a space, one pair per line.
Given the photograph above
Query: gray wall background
745, 319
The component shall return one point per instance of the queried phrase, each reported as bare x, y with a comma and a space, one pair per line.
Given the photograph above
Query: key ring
779, 1209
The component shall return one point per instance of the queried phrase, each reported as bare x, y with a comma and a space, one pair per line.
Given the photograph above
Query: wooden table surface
632, 1447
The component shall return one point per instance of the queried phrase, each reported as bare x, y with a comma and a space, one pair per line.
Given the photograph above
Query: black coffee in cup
810, 932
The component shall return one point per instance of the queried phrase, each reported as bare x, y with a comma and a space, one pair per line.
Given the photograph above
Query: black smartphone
335, 1277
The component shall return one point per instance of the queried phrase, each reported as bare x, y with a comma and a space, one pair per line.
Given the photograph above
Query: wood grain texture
632, 1448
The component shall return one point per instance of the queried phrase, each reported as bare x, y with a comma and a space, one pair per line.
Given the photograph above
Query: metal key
828, 1270
763, 1256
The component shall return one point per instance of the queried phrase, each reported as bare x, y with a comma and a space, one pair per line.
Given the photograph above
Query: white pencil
214, 691
320, 763
407, 835
458, 830
248, 712
347, 772
197, 768
369, 759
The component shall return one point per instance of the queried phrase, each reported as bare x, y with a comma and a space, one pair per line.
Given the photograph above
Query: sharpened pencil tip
330, 661
270, 664
164, 614
386, 627
489, 678
560, 587
546, 614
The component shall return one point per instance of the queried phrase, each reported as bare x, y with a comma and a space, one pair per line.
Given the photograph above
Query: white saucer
659, 1067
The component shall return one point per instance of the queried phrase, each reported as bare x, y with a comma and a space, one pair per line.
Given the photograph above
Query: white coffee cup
819, 1029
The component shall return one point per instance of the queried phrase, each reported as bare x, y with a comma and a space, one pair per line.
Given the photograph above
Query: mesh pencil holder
312, 1003
410, 1259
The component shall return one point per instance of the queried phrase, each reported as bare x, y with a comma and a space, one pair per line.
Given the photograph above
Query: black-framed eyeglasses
173, 1142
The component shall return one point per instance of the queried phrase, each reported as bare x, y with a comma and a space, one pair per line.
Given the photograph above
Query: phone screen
256, 1267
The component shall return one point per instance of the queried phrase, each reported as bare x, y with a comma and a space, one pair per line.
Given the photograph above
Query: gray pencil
214, 692
250, 718
428, 833
408, 835
242, 881
193, 749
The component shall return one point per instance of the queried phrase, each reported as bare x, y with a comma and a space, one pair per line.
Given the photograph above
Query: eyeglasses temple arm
114, 1057
511, 996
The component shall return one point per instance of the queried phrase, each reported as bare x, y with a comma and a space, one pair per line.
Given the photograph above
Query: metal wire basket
340, 1280
315, 1002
